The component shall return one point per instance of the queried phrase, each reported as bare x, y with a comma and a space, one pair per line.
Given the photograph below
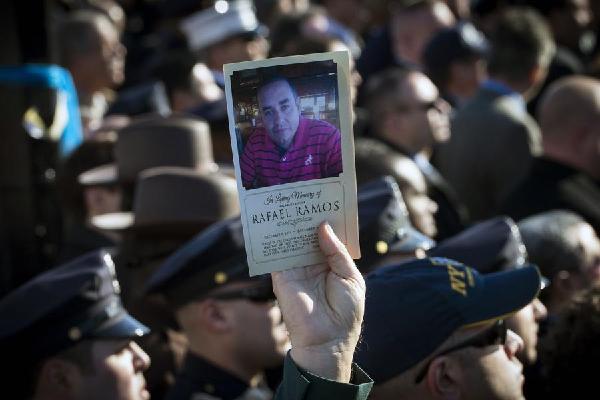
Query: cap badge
74, 333
220, 278
381, 247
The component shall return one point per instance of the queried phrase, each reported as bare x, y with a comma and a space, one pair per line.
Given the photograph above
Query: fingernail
328, 227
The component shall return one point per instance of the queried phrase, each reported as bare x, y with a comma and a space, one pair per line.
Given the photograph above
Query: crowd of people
477, 148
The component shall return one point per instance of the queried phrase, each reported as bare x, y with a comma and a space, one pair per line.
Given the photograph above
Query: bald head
569, 115
569, 104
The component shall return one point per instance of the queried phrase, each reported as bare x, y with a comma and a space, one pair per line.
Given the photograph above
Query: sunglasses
493, 336
256, 294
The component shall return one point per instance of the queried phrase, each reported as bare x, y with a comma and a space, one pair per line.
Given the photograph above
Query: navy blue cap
412, 308
489, 246
384, 224
65, 305
213, 258
459, 42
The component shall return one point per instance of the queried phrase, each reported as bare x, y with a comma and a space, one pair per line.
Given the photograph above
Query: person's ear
444, 378
60, 377
215, 316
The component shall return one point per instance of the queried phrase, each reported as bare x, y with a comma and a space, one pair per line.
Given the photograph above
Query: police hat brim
126, 222
103, 175
504, 293
121, 327
409, 239
116, 221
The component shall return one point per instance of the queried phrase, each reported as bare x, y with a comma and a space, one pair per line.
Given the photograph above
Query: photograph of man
288, 147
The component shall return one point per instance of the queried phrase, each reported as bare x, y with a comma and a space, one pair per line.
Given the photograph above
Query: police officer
434, 329
235, 328
491, 246
67, 336
62, 328
158, 225
386, 234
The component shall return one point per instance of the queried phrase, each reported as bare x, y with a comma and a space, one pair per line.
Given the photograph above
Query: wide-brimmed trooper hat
174, 199
155, 141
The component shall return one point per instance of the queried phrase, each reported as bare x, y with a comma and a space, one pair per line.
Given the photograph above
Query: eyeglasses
494, 335
256, 294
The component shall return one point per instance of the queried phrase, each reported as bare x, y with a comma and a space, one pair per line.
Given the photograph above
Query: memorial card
290, 121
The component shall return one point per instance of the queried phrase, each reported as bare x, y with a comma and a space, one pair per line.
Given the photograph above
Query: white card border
348, 176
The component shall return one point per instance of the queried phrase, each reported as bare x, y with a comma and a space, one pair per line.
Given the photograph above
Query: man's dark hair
570, 352
175, 71
547, 239
288, 36
383, 93
272, 78
287, 30
440, 74
521, 40
78, 34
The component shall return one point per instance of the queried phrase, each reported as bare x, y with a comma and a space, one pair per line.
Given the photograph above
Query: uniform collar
211, 379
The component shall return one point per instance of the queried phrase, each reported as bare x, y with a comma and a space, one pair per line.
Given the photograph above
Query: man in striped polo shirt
288, 147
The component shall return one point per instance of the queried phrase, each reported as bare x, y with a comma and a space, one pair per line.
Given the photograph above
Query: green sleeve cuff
299, 384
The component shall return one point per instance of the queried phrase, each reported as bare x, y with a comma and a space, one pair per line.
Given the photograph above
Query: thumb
335, 251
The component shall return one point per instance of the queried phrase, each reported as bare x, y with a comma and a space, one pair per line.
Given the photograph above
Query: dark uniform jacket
80, 239
201, 380
491, 149
552, 185
375, 157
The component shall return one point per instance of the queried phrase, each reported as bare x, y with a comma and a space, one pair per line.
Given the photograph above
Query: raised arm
323, 307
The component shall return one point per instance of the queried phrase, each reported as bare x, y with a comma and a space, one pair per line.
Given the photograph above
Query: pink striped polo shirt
315, 153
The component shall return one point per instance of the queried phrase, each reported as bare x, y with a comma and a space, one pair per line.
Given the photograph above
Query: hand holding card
323, 307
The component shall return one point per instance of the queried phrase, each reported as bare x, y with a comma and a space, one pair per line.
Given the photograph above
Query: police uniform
384, 224
60, 308
202, 380
214, 258
157, 227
